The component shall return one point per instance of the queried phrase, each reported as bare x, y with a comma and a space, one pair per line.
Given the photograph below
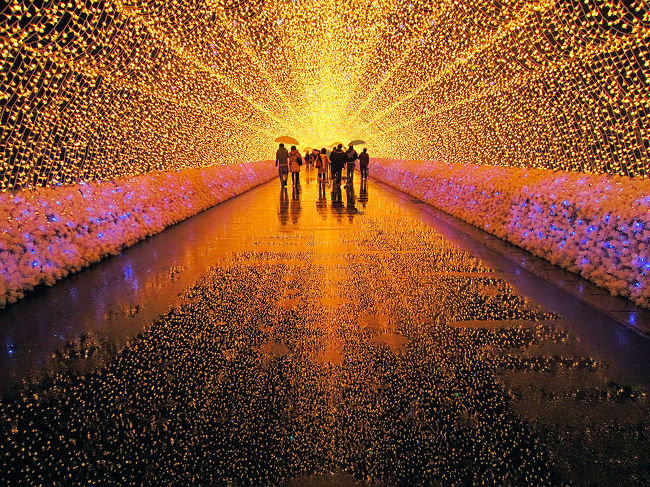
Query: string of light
94, 89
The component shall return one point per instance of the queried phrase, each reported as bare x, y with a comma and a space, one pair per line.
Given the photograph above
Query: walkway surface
328, 339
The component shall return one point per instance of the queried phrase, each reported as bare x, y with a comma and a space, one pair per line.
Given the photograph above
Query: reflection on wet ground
339, 341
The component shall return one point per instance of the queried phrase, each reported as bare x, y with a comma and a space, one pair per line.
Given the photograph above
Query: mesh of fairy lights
98, 89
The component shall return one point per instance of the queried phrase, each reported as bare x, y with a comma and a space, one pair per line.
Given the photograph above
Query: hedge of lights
594, 225
56, 231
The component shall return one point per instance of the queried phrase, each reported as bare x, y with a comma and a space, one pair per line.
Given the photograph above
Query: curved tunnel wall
94, 90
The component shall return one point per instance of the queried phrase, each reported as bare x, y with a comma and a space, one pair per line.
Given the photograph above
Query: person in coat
337, 161
282, 163
322, 163
315, 154
351, 157
295, 161
364, 160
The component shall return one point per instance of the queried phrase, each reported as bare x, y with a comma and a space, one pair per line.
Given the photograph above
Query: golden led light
99, 89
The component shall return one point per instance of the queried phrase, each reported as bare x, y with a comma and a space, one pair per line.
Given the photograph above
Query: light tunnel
524, 124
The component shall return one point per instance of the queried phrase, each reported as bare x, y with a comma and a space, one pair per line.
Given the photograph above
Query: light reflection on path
118, 297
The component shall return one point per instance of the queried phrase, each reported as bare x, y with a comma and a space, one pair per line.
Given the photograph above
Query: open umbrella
357, 142
287, 140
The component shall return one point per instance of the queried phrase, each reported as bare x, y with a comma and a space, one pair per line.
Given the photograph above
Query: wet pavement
319, 339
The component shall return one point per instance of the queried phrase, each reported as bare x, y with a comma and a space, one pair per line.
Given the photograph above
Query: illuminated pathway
322, 340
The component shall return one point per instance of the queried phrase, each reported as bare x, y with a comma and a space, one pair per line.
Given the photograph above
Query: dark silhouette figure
282, 163
295, 161
364, 160
322, 162
350, 158
337, 160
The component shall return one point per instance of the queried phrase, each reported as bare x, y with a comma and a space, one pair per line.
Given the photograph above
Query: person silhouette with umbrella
350, 157
282, 163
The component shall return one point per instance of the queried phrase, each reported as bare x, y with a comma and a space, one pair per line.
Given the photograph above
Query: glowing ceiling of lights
96, 89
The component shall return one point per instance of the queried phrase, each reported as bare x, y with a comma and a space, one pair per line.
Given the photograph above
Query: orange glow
98, 89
